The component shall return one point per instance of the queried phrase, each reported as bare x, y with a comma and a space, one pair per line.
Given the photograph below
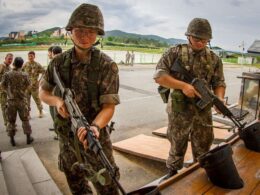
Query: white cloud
232, 20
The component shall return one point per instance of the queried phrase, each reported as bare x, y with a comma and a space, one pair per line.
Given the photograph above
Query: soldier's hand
82, 132
61, 108
190, 91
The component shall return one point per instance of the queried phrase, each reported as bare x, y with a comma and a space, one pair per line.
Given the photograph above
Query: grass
230, 60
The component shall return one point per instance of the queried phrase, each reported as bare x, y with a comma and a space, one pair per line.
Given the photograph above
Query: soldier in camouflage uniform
185, 119
33, 69
15, 83
5, 67
93, 76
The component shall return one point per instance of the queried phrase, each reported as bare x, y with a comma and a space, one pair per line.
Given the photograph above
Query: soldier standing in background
132, 58
185, 119
127, 57
5, 67
54, 52
93, 76
15, 83
50, 53
33, 69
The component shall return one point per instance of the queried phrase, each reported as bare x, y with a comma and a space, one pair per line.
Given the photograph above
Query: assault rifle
78, 120
207, 97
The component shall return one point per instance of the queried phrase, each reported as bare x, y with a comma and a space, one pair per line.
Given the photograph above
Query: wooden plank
153, 148
256, 190
221, 135
247, 163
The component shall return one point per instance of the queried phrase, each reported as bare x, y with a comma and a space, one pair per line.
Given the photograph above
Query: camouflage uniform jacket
15, 83
108, 81
205, 65
3, 69
33, 69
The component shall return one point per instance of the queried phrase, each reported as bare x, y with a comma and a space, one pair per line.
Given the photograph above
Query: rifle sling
177, 67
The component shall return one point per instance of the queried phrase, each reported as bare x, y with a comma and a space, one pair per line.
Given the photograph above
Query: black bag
251, 136
220, 167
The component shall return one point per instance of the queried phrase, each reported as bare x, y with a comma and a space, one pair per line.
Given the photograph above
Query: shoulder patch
114, 68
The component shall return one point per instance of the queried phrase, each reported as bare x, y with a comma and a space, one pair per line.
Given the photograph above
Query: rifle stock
78, 120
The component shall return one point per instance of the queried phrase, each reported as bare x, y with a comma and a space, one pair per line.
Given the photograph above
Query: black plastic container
220, 167
251, 136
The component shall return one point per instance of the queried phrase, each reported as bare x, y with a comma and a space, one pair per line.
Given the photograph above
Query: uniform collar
201, 52
74, 60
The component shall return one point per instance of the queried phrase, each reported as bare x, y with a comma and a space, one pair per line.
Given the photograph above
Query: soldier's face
50, 55
31, 57
9, 59
84, 37
198, 44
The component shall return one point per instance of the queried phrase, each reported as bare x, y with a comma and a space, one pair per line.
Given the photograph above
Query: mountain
119, 33
47, 32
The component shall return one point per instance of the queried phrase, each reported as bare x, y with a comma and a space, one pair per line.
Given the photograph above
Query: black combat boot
12, 141
170, 174
29, 139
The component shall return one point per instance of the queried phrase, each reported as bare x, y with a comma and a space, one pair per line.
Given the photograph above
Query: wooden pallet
149, 147
220, 135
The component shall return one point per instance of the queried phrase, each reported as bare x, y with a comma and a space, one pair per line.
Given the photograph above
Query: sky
233, 21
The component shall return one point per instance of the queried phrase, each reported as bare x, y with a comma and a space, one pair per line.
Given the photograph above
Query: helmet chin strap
79, 47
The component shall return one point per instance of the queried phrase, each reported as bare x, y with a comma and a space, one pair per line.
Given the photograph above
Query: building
254, 48
17, 35
32, 33
61, 32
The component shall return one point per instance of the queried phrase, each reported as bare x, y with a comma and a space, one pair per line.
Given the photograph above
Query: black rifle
207, 97
78, 120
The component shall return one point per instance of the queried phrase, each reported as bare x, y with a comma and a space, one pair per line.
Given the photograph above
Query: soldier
127, 57
56, 50
93, 76
34, 69
15, 83
185, 120
132, 58
50, 53
5, 67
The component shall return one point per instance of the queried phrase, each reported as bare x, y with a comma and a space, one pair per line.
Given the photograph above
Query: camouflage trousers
20, 107
35, 94
77, 178
185, 126
3, 101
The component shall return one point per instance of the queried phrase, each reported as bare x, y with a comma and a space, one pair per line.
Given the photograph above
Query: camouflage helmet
200, 28
87, 16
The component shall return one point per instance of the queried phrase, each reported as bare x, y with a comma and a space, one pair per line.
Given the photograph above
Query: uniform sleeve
27, 81
41, 69
47, 82
24, 67
164, 64
218, 79
3, 83
109, 83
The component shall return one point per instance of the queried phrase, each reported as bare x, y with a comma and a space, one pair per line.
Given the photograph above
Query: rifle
207, 97
78, 120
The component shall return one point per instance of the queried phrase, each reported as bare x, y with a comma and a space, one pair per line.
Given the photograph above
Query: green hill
47, 32
118, 33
